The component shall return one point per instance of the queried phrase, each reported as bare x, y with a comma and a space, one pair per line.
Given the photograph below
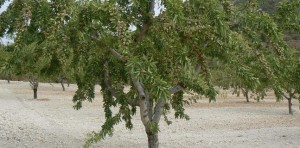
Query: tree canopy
159, 53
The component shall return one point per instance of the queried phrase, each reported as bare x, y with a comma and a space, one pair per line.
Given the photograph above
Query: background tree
288, 19
290, 80
159, 54
38, 49
5, 69
224, 77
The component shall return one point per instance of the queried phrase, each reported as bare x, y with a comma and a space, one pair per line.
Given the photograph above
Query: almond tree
290, 80
159, 53
288, 19
5, 69
38, 49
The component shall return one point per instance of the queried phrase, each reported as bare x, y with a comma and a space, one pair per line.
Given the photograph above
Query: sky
4, 7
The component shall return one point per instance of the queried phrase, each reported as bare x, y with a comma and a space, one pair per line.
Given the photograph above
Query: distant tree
290, 79
288, 19
268, 6
226, 78
38, 48
6, 70
25, 62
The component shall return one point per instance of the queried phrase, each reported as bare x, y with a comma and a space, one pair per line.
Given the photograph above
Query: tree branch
179, 86
175, 89
134, 102
158, 110
113, 51
197, 69
117, 55
147, 23
142, 100
107, 82
291, 94
149, 105
285, 96
33, 82
110, 88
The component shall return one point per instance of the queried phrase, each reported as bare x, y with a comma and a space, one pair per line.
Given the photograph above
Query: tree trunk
8, 79
34, 85
147, 113
246, 94
152, 140
290, 106
61, 81
35, 93
62, 84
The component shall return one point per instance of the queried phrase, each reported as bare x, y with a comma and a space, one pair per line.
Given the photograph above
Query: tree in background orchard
285, 19
227, 79
288, 20
38, 51
159, 54
5, 69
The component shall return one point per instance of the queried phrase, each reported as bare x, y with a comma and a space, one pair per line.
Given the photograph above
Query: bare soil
50, 121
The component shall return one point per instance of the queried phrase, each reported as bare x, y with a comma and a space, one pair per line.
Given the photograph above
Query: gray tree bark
62, 84
290, 96
34, 85
35, 93
246, 94
290, 105
152, 140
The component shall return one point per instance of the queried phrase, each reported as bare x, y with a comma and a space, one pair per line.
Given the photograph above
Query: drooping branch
111, 89
180, 86
147, 23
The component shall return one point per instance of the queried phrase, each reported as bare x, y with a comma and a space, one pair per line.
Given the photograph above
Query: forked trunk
149, 115
35, 93
290, 106
152, 140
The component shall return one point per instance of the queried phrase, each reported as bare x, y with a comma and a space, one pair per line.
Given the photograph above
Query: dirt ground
51, 122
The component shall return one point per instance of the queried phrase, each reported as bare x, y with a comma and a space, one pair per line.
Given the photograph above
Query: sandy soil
50, 121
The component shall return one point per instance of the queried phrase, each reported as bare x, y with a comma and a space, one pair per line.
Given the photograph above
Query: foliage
5, 68
123, 43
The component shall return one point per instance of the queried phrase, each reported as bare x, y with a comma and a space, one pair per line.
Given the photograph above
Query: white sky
5, 5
